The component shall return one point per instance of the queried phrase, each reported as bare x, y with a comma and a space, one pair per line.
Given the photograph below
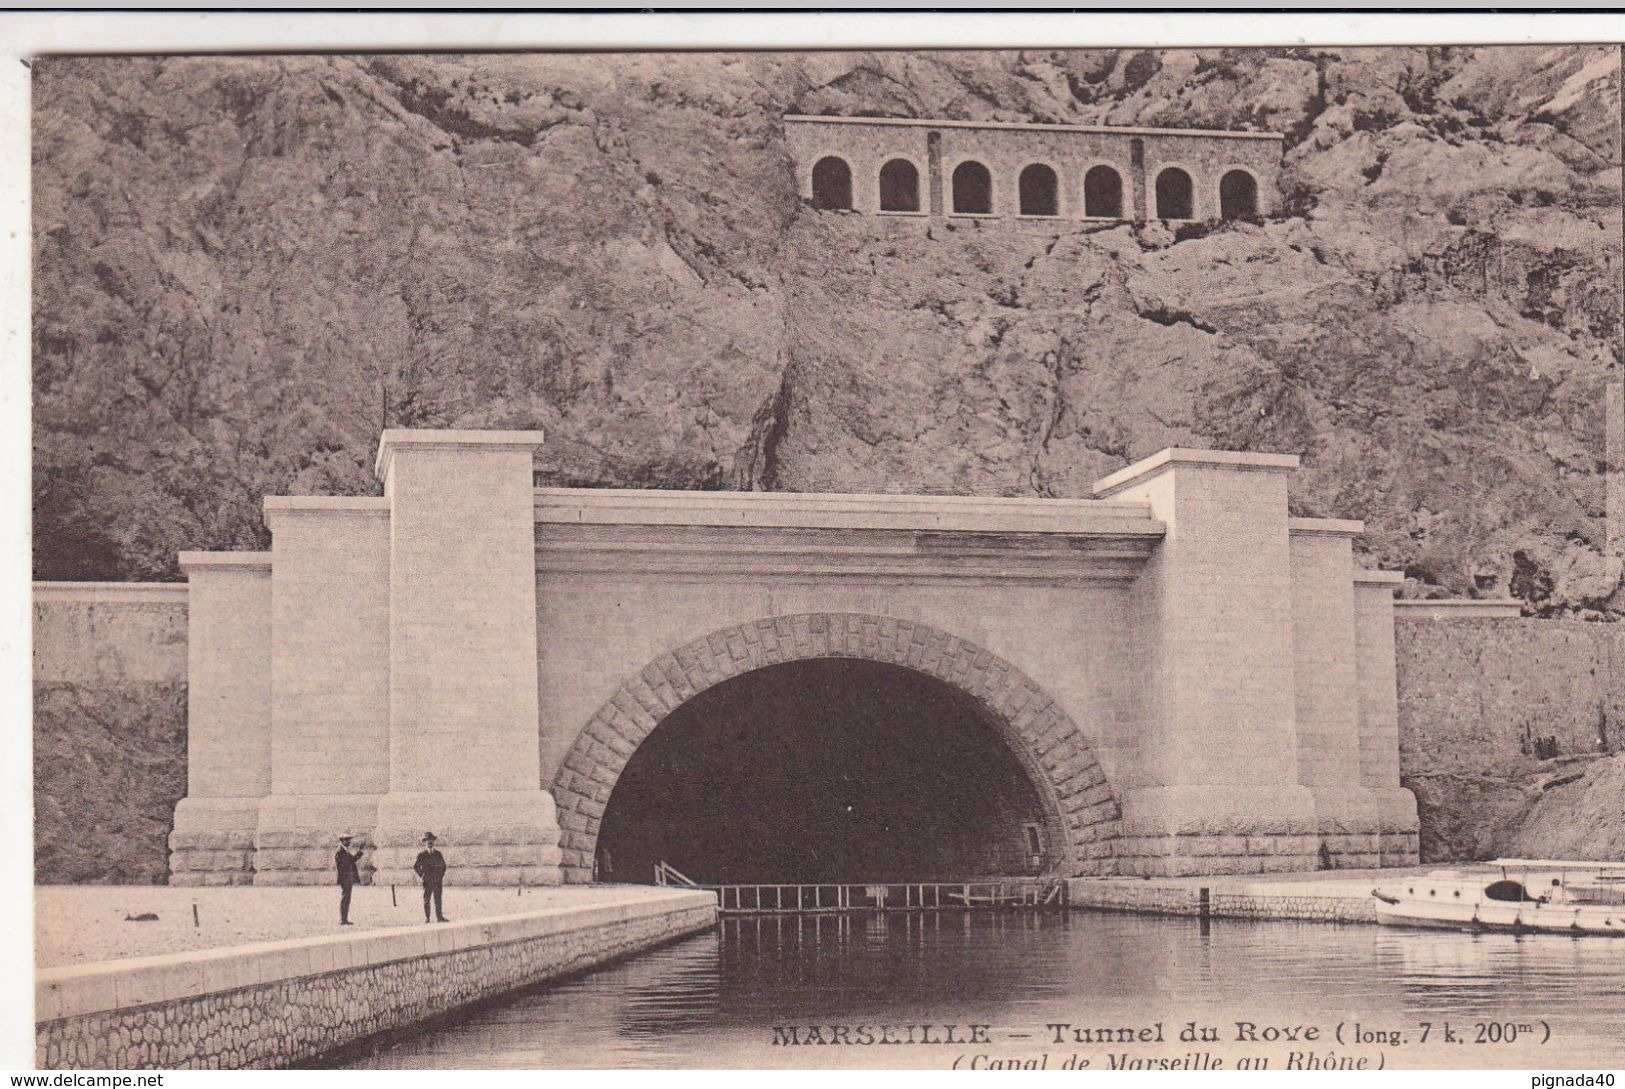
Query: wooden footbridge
993, 894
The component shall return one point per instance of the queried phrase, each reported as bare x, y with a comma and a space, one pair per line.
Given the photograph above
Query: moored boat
1514, 895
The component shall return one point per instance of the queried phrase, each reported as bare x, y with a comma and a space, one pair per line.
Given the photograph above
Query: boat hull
1529, 917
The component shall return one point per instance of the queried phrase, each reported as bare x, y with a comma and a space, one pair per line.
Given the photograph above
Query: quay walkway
285, 1002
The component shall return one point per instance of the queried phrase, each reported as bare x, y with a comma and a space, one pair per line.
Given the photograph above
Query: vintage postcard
1067, 558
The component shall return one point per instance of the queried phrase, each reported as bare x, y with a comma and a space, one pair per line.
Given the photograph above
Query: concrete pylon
228, 728
1220, 782
464, 758
329, 683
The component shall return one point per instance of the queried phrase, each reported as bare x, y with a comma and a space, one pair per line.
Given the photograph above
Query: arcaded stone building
995, 170
1184, 678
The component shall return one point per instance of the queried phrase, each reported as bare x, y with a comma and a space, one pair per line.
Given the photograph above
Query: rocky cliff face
247, 266
1575, 814
109, 766
1507, 731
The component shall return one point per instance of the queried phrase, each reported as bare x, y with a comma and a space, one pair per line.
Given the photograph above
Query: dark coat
349, 872
431, 866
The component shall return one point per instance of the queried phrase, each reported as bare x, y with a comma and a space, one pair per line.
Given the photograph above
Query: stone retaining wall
110, 761
1163, 898
1142, 897
1476, 693
1320, 909
1145, 855
1485, 705
109, 729
278, 1004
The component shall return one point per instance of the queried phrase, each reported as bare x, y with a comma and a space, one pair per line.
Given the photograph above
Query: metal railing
667, 874
829, 897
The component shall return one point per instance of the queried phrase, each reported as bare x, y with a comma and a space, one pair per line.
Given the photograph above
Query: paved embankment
1332, 896
275, 1003
78, 924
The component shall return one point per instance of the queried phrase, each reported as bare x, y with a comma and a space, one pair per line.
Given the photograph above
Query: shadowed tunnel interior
824, 770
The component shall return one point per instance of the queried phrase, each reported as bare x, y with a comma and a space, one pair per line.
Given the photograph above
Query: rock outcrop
1576, 814
109, 766
245, 267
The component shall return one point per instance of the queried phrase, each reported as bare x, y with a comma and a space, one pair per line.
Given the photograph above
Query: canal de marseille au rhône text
1062, 1033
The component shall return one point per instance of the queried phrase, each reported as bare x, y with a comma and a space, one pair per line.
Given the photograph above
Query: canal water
1280, 992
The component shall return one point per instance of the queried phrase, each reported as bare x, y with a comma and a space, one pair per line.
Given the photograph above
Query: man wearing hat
431, 867
349, 875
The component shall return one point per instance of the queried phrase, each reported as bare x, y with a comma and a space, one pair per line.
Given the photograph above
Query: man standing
349, 875
431, 867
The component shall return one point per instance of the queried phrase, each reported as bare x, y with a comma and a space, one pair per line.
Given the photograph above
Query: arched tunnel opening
828, 770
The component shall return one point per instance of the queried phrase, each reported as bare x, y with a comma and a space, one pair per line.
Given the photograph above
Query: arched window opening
973, 189
832, 184
1103, 193
1039, 191
899, 187
1238, 196
1174, 198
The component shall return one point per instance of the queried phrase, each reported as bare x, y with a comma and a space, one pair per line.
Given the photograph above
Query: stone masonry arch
482, 616
1058, 757
478, 611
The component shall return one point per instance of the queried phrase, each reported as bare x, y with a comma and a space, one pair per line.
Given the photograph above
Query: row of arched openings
1038, 190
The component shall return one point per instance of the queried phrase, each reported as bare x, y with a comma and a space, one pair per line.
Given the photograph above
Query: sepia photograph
1076, 557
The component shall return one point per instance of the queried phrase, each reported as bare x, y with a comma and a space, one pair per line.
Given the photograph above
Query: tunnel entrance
829, 769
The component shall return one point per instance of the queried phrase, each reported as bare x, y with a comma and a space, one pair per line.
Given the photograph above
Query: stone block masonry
1156, 670
1193, 681
1134, 157
1215, 612
109, 633
285, 1003
375, 672
228, 739
1341, 902
1083, 815
464, 759
1475, 693
1475, 682
330, 738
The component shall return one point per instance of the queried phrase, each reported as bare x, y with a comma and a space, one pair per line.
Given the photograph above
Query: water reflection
713, 1000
